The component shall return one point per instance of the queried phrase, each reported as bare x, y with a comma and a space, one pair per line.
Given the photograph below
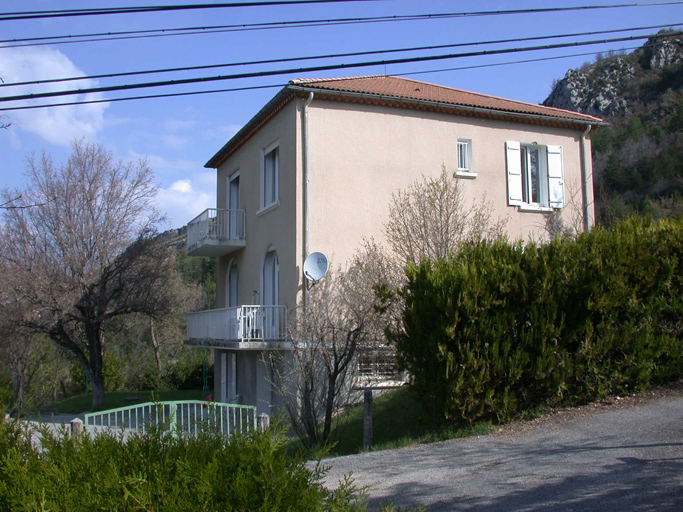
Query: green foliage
5, 393
201, 271
157, 472
501, 328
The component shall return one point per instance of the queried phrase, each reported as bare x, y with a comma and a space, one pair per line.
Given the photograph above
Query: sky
178, 135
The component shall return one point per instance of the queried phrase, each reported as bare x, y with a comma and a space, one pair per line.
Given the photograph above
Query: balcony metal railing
217, 225
242, 323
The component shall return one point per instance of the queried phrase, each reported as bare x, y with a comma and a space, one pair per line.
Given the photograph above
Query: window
464, 155
465, 159
535, 176
231, 286
270, 176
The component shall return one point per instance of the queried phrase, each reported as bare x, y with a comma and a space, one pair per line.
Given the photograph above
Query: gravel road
618, 457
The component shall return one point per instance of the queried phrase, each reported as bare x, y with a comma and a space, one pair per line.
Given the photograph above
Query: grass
398, 420
82, 403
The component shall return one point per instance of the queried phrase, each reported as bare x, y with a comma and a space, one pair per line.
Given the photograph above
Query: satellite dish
316, 266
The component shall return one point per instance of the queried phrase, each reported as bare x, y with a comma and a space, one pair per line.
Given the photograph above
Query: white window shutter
555, 177
514, 172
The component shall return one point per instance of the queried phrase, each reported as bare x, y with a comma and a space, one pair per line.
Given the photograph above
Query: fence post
172, 409
367, 419
76, 427
263, 422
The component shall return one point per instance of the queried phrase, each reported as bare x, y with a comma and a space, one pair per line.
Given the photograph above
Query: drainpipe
305, 192
584, 175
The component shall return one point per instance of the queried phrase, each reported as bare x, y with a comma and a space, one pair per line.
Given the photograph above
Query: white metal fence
242, 323
183, 417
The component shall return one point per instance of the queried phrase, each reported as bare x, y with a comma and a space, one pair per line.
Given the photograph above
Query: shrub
499, 328
158, 472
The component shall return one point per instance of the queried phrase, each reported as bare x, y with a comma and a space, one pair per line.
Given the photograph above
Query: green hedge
158, 472
501, 328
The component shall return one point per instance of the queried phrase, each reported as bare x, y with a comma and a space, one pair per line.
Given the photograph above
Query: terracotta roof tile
405, 88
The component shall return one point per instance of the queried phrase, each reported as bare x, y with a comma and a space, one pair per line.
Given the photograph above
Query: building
315, 169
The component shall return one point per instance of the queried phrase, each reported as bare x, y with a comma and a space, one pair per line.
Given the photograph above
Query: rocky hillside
638, 161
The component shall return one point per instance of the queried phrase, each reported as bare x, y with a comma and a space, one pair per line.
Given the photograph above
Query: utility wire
330, 56
137, 34
171, 32
318, 68
64, 13
258, 87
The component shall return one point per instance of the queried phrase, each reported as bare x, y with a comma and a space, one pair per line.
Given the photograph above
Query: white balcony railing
216, 227
241, 324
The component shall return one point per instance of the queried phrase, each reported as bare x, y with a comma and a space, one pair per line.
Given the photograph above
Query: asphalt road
623, 457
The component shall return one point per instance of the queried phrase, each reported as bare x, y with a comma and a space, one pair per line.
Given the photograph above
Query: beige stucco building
315, 170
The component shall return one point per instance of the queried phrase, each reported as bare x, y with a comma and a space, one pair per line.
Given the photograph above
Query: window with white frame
535, 175
270, 176
464, 155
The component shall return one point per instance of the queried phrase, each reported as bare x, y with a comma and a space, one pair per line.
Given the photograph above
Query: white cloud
57, 125
184, 199
184, 186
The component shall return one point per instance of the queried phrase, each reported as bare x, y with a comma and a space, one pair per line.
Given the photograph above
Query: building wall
360, 155
277, 227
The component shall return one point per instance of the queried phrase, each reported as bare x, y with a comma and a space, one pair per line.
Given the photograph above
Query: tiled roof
408, 89
404, 93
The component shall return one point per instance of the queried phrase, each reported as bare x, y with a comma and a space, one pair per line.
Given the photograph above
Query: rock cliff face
607, 87
637, 164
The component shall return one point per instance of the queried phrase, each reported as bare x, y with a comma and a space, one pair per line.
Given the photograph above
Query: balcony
216, 232
242, 327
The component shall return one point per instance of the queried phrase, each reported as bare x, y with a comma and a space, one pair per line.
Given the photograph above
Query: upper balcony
242, 327
216, 232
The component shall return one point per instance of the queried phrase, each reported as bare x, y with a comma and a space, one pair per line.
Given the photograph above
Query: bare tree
85, 253
431, 218
343, 317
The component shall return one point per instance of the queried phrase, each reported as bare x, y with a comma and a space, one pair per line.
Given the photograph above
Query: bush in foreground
498, 329
159, 472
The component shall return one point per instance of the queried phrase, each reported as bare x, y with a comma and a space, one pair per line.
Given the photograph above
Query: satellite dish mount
315, 268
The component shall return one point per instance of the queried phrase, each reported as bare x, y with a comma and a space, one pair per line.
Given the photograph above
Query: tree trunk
97, 392
95, 367
155, 346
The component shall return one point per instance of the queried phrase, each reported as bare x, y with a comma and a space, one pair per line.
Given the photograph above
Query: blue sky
178, 135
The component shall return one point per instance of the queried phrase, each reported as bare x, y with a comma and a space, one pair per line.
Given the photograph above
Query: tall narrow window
464, 158
235, 221
271, 316
271, 171
271, 270
530, 180
231, 288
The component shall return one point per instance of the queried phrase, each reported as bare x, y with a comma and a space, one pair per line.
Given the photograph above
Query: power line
138, 34
525, 61
319, 68
29, 15
258, 87
331, 56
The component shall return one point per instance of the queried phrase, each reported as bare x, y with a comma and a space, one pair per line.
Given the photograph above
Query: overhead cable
64, 13
319, 68
257, 87
137, 34
330, 56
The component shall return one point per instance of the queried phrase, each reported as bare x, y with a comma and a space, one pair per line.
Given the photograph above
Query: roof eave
593, 121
